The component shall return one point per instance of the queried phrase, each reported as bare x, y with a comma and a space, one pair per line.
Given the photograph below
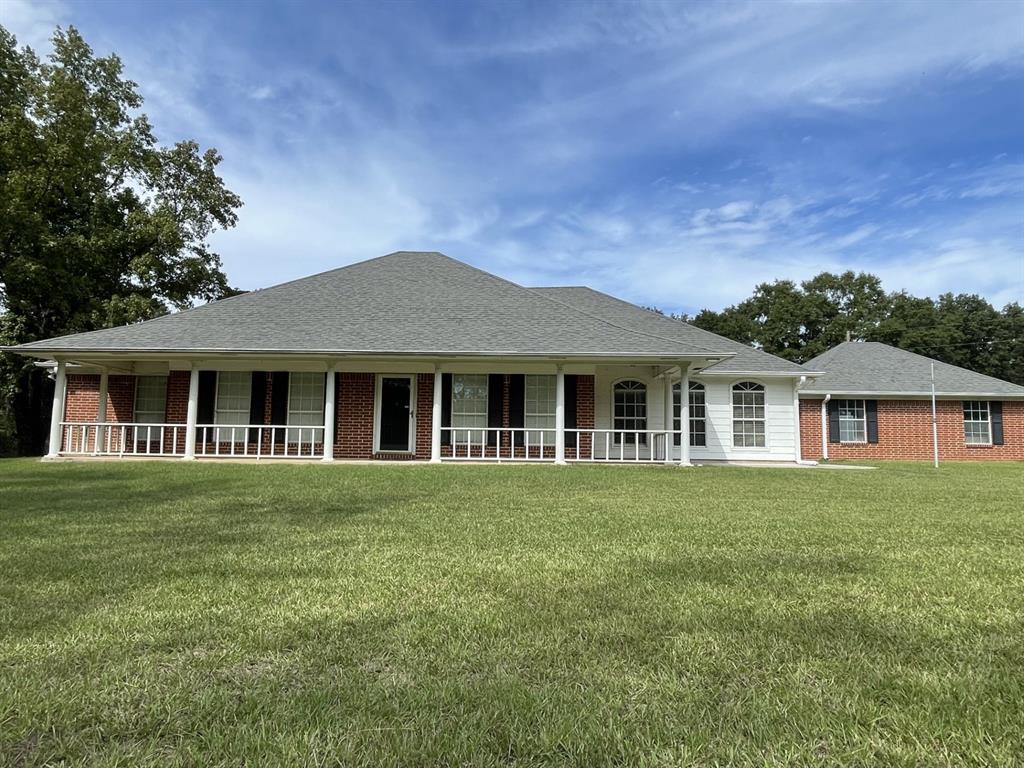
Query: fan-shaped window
748, 415
630, 411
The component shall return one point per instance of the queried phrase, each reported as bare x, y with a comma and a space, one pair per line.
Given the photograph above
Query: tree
840, 306
100, 224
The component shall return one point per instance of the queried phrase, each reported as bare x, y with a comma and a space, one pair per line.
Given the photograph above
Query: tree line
800, 321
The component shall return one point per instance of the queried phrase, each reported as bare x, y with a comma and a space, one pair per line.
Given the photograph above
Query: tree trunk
33, 399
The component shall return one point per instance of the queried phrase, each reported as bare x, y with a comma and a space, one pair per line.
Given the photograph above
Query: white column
684, 414
435, 419
329, 425
798, 448
559, 416
101, 411
193, 414
57, 412
667, 421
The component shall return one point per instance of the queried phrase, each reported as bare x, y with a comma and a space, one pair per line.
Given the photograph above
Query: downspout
824, 426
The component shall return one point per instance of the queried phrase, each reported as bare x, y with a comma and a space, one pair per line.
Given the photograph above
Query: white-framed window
853, 421
629, 411
234, 391
748, 415
150, 399
698, 414
305, 406
539, 408
469, 406
977, 422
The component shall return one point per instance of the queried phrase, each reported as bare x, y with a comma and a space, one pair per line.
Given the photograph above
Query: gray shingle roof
746, 359
868, 367
406, 302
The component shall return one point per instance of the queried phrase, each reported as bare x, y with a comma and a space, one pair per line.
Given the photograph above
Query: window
539, 409
977, 422
748, 415
630, 411
853, 425
698, 414
150, 399
469, 406
233, 395
305, 405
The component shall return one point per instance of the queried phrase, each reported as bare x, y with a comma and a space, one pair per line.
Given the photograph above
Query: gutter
824, 427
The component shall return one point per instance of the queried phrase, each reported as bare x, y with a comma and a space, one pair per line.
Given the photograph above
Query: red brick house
418, 356
873, 401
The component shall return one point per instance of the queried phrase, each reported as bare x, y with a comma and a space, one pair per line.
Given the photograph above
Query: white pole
935, 423
329, 415
559, 417
193, 414
435, 419
684, 414
101, 411
57, 411
824, 426
667, 421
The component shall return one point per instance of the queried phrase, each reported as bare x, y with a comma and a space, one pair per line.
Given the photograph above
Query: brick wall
905, 432
354, 416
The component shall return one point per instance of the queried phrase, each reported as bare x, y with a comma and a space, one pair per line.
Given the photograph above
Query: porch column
101, 411
684, 414
559, 416
192, 415
669, 405
435, 419
57, 412
332, 374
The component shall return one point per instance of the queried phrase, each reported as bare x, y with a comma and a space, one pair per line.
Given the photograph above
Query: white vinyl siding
305, 405
234, 389
977, 422
539, 408
748, 415
853, 423
150, 399
469, 406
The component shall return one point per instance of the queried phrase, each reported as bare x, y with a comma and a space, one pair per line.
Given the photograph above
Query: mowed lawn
172, 614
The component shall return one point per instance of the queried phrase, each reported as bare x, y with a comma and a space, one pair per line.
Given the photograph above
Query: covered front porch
419, 410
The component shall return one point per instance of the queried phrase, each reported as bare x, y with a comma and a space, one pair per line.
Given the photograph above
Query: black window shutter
995, 412
833, 421
871, 416
257, 397
207, 397
517, 405
446, 408
279, 404
495, 403
570, 401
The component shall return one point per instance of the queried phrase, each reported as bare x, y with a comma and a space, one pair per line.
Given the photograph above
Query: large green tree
100, 224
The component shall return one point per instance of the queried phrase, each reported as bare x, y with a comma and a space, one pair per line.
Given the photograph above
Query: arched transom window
629, 411
748, 415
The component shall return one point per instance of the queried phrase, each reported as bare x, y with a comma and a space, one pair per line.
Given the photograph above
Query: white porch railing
497, 444
90, 438
526, 444
618, 445
259, 441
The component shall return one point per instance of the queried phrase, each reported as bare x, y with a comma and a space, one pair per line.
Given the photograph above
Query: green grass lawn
172, 614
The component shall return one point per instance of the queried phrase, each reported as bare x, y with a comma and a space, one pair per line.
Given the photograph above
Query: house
873, 401
418, 356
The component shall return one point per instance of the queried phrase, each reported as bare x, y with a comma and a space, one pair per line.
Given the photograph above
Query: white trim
863, 420
435, 417
412, 412
814, 395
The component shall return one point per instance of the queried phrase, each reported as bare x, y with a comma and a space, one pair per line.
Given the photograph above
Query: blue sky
672, 154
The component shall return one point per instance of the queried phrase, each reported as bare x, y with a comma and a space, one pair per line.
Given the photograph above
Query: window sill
980, 445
